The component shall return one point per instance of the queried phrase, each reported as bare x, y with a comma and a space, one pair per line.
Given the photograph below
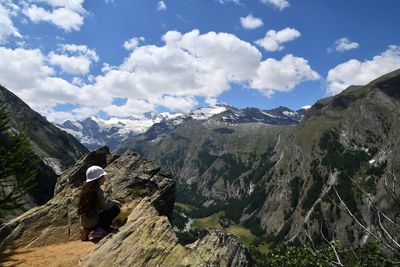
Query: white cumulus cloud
174, 103
283, 75
27, 74
251, 22
7, 28
161, 6
65, 14
343, 44
279, 4
131, 107
355, 72
73, 59
173, 75
273, 40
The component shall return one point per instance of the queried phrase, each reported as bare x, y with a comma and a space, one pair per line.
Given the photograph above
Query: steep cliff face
56, 150
146, 237
343, 157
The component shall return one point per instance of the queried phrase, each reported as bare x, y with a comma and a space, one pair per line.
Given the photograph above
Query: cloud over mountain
172, 75
283, 75
355, 72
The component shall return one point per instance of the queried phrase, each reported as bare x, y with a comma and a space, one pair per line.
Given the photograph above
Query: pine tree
17, 166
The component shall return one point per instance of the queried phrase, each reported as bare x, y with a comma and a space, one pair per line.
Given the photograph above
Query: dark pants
106, 217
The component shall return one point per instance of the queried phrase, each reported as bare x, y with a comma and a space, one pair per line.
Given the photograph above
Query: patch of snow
289, 113
177, 121
207, 112
372, 161
269, 114
77, 125
306, 107
170, 116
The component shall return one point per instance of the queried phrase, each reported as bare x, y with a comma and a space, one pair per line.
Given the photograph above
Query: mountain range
95, 132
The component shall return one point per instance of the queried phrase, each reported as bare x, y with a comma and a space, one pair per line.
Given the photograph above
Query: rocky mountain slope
329, 174
212, 151
213, 162
145, 238
338, 168
55, 149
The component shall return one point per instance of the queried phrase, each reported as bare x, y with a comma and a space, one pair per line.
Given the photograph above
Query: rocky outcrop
146, 237
57, 220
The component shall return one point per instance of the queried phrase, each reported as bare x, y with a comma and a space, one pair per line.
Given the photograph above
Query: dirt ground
67, 254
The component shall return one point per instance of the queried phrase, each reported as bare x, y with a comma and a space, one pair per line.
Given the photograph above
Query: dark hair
88, 198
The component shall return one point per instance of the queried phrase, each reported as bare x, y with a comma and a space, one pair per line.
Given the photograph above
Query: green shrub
323, 255
254, 225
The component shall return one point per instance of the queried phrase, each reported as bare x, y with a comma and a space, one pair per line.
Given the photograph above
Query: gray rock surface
146, 237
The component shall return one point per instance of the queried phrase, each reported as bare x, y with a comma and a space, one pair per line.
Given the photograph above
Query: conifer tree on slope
17, 166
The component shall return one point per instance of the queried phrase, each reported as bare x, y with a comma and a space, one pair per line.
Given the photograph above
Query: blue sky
69, 59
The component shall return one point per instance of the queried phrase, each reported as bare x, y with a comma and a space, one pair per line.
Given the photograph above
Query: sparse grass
210, 222
186, 207
138, 191
243, 234
263, 248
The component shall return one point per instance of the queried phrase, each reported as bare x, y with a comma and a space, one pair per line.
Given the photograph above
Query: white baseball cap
94, 172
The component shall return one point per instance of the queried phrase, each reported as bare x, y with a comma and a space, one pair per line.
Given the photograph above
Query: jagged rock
57, 220
146, 237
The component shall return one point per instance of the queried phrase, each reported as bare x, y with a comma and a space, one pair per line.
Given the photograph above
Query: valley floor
66, 254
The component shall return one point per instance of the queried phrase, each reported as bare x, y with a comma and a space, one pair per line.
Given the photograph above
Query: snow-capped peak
207, 112
306, 107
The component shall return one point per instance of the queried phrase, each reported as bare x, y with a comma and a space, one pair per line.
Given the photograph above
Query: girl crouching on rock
96, 211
